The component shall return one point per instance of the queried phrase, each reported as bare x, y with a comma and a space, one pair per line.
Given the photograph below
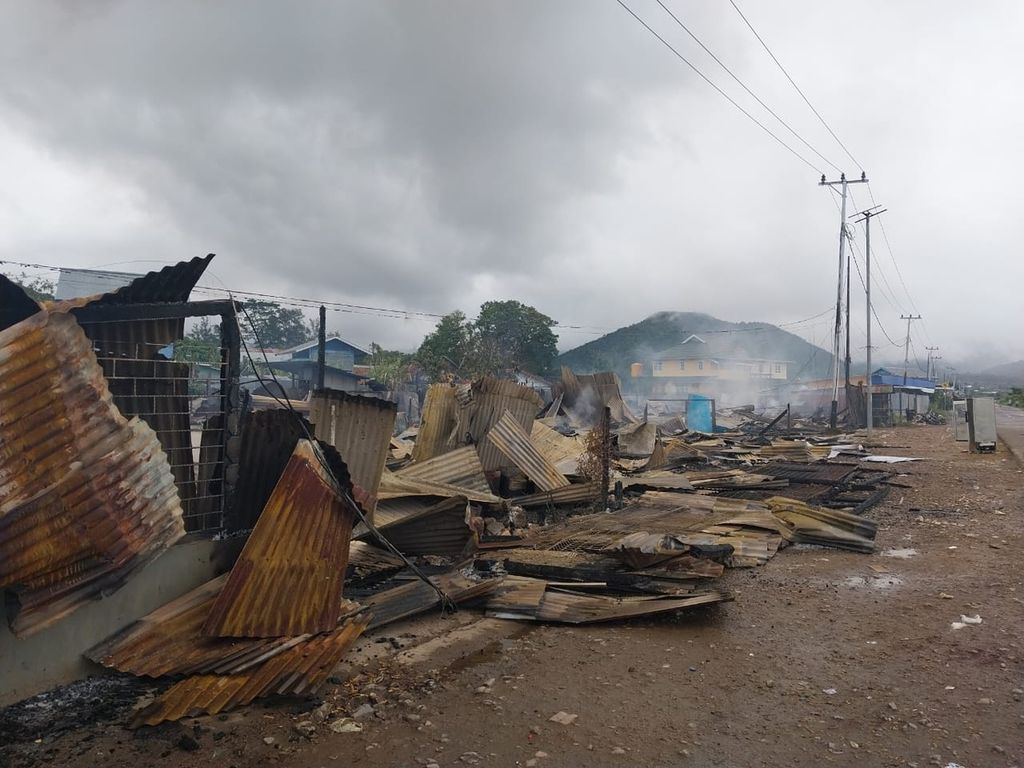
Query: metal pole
321, 349
847, 378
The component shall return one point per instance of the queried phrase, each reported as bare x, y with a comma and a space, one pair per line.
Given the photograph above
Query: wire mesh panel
181, 401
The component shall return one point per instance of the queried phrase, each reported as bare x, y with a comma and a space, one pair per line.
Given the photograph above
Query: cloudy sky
428, 156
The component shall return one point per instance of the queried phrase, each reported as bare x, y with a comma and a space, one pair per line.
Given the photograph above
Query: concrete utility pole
932, 356
906, 352
866, 218
842, 183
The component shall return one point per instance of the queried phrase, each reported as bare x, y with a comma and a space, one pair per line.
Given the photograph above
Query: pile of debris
572, 510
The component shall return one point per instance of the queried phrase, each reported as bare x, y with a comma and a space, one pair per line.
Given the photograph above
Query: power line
744, 85
722, 93
793, 83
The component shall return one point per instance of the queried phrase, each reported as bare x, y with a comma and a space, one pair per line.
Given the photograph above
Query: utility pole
931, 357
866, 218
906, 352
842, 184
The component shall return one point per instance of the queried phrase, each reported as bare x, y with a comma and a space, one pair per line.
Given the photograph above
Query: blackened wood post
321, 349
606, 453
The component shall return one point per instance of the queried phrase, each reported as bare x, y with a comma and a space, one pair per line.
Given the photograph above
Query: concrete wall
54, 656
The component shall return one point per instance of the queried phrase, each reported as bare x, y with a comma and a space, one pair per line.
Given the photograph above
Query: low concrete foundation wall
54, 656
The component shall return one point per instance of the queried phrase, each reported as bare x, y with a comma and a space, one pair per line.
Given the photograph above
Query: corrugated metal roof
301, 669
437, 423
509, 437
460, 467
87, 495
487, 401
585, 394
393, 486
441, 529
288, 578
577, 493
564, 452
268, 442
170, 641
173, 283
360, 428
416, 597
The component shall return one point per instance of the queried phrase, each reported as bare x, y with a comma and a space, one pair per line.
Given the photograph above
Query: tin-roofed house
346, 366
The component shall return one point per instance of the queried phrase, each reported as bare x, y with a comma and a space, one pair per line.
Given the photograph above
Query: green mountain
637, 343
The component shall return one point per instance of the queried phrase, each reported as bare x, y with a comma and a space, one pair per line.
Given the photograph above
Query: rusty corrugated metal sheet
360, 428
268, 442
460, 467
416, 597
578, 493
87, 495
453, 417
584, 396
169, 641
509, 437
437, 423
288, 578
301, 669
440, 529
393, 486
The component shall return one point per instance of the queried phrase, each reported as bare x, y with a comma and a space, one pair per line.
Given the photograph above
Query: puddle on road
875, 582
901, 554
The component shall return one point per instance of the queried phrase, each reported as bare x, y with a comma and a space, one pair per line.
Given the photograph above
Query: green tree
278, 327
201, 344
506, 335
514, 335
388, 366
37, 288
450, 347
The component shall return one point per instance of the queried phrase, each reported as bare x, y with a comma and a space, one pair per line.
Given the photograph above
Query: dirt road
824, 658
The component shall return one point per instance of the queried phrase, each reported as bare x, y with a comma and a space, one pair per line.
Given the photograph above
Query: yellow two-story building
710, 366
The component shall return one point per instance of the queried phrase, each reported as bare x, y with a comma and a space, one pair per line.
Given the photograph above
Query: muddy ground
824, 658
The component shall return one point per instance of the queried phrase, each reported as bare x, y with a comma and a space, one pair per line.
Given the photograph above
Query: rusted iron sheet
437, 423
301, 669
360, 428
393, 486
460, 467
454, 417
288, 578
510, 438
268, 442
579, 493
527, 599
417, 597
87, 495
440, 529
169, 641
366, 561
826, 527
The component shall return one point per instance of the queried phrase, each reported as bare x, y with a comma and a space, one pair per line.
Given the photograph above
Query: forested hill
637, 343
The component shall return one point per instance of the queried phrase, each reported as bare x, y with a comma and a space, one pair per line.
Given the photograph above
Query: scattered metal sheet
485, 403
170, 642
437, 423
415, 597
366, 561
526, 599
807, 473
393, 486
87, 495
563, 452
510, 438
288, 578
441, 529
301, 669
826, 527
360, 428
553, 565
578, 493
658, 479
638, 440
461, 468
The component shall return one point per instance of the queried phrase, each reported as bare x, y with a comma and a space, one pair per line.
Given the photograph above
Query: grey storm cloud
433, 155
